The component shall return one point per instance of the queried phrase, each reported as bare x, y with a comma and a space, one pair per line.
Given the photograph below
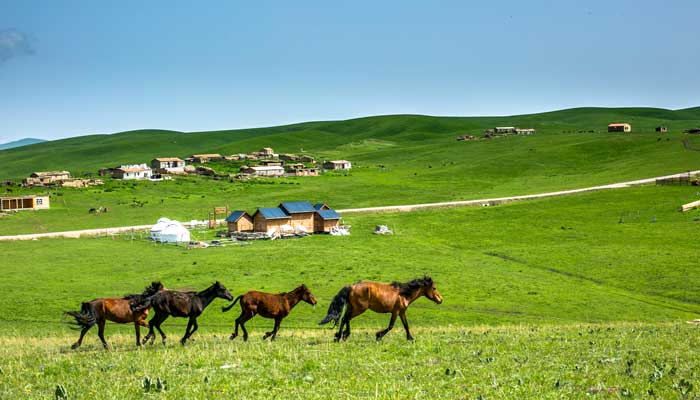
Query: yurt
169, 231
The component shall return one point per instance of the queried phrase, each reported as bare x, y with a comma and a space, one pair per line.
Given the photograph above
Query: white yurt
169, 231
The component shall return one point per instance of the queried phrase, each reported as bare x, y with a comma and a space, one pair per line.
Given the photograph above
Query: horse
391, 298
114, 309
268, 305
180, 304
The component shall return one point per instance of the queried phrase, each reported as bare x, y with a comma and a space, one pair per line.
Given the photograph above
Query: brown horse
180, 304
268, 305
393, 298
115, 309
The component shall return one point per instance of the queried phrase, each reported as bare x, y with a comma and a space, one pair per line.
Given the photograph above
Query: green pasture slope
397, 160
573, 297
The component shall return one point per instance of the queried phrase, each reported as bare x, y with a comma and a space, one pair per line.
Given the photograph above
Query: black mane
154, 288
408, 288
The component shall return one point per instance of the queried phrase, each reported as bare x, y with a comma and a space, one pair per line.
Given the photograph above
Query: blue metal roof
235, 216
273, 213
318, 206
293, 207
328, 214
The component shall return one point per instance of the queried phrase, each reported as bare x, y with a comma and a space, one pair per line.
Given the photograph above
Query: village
501, 131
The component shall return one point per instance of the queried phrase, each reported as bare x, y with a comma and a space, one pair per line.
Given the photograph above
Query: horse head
306, 295
430, 291
222, 292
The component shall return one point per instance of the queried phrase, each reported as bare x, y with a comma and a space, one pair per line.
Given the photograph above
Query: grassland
546, 362
397, 160
574, 297
544, 299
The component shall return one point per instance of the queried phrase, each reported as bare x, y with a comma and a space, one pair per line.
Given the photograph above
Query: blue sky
71, 68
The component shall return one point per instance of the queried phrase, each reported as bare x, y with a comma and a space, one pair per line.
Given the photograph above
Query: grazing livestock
114, 309
391, 298
268, 305
180, 304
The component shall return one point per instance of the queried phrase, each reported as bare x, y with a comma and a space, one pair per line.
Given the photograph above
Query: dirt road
401, 208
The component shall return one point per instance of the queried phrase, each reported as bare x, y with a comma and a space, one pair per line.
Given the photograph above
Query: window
39, 202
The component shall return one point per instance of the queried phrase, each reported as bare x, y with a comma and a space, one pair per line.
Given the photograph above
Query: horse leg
190, 324
241, 320
343, 321
235, 329
155, 322
101, 332
383, 332
138, 333
404, 321
80, 339
273, 333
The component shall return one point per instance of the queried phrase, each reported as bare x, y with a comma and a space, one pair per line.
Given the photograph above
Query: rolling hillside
89, 153
20, 143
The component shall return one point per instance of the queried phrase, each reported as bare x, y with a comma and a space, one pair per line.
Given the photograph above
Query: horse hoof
410, 338
232, 337
74, 346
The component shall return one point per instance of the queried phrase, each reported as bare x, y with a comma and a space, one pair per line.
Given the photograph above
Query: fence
683, 180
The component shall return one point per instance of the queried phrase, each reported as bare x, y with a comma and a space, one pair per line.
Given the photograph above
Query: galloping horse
114, 309
393, 298
180, 304
268, 305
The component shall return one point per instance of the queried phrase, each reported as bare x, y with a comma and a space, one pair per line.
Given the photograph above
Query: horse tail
228, 307
336, 307
85, 318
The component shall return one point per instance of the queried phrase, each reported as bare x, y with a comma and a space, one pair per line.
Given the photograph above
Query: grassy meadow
570, 297
396, 160
583, 296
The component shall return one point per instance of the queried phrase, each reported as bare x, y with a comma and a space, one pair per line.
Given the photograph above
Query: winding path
402, 208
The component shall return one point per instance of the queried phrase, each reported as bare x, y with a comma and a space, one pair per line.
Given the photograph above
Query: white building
135, 171
337, 164
264, 170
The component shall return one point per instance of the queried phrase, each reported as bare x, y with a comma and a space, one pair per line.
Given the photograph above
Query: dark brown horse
115, 309
393, 298
268, 305
180, 304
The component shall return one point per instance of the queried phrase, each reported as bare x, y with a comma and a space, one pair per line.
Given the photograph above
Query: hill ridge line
399, 208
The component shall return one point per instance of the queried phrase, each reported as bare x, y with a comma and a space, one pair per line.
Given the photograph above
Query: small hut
240, 221
325, 220
31, 202
622, 127
270, 219
662, 129
301, 214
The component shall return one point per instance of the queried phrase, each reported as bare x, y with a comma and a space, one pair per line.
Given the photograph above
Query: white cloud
14, 43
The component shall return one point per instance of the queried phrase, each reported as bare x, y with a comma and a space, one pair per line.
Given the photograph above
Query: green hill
89, 153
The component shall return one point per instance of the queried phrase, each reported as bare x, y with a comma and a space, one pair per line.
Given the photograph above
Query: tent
169, 231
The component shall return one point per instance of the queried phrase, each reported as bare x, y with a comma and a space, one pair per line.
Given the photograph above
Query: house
301, 214
289, 157
620, 127
270, 219
46, 177
263, 171
266, 151
524, 131
168, 165
325, 220
17, 203
307, 159
135, 171
205, 158
337, 164
661, 129
303, 172
504, 129
270, 163
300, 169
240, 221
